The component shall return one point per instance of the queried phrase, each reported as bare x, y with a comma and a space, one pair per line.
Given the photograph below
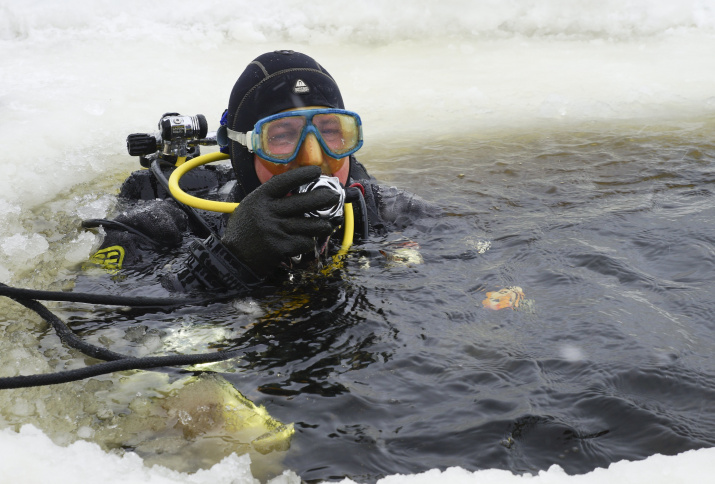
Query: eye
283, 131
282, 135
329, 127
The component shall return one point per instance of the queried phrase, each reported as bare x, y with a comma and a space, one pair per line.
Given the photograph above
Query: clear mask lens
338, 133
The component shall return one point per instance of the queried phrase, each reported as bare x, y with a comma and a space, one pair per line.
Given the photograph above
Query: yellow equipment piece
228, 207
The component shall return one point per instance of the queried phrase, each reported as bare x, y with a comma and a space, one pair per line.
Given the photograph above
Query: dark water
610, 357
398, 368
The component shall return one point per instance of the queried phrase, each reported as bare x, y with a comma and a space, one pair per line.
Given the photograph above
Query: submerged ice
186, 425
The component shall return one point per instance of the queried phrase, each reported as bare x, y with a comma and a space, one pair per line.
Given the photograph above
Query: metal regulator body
178, 137
326, 182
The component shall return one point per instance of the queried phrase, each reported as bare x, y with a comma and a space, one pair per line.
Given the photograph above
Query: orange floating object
509, 297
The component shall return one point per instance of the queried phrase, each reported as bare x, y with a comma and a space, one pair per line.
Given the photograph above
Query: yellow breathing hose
228, 207
190, 200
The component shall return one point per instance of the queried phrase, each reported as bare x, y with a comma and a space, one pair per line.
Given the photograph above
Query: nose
310, 153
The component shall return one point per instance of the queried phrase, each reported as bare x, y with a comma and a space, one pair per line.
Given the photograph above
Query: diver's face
309, 153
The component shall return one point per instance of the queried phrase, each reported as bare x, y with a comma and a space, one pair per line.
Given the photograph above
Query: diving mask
278, 138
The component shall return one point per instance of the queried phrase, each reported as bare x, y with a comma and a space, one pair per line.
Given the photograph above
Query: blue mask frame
252, 139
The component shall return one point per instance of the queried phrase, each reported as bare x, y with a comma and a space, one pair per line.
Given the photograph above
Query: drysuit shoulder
202, 182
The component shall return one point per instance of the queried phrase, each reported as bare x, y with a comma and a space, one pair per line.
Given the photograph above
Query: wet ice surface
85, 462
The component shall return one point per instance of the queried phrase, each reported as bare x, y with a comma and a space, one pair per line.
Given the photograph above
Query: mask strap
223, 134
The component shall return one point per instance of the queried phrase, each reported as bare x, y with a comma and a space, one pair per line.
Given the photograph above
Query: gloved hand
267, 227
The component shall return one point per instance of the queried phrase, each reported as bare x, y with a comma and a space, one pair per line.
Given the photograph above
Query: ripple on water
388, 367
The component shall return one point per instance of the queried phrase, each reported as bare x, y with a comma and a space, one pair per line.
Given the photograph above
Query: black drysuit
151, 224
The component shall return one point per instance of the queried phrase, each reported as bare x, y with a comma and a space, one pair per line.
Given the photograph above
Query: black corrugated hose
113, 361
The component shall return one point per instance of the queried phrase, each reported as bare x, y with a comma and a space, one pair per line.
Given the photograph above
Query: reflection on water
391, 367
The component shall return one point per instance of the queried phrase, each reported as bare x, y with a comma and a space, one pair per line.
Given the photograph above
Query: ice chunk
89, 207
79, 249
21, 247
86, 462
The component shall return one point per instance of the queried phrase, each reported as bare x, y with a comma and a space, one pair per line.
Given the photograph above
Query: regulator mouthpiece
326, 182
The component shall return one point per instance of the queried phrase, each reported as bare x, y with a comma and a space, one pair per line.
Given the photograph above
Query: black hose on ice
105, 299
113, 361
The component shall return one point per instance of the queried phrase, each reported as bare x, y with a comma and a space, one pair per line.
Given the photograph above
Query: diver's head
276, 82
306, 136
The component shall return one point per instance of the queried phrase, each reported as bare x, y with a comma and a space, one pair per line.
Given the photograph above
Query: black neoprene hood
272, 83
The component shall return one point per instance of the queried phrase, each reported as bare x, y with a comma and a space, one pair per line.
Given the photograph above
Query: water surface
390, 367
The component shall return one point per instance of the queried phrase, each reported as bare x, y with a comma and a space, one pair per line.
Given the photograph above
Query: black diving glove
268, 227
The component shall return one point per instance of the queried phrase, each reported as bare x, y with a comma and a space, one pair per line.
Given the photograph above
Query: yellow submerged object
193, 423
509, 297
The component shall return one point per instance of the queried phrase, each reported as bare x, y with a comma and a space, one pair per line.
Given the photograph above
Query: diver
286, 127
